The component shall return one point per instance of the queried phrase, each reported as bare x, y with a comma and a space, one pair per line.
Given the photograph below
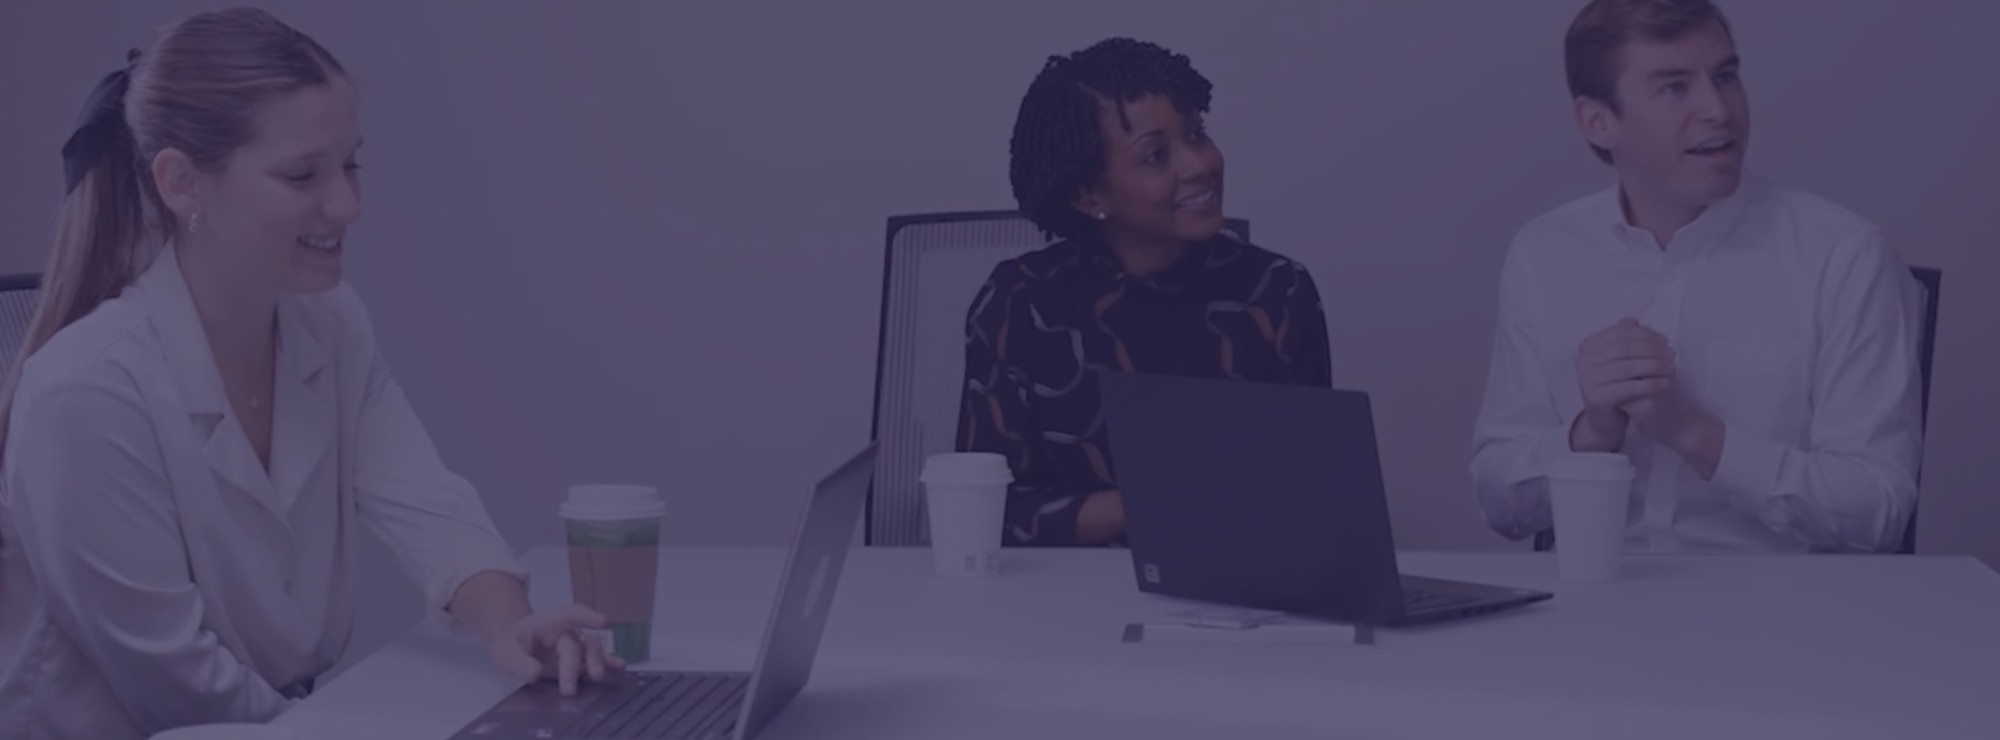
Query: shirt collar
1706, 229
163, 288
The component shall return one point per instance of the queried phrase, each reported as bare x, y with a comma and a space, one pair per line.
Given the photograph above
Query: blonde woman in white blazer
201, 431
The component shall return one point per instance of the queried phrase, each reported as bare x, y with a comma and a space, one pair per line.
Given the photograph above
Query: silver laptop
678, 705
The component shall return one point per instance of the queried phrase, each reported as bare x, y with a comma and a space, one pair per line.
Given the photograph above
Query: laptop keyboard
665, 706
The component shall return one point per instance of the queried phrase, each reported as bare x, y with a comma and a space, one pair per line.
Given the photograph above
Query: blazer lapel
303, 410
192, 363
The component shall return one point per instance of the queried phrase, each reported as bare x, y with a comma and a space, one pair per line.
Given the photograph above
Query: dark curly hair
1058, 150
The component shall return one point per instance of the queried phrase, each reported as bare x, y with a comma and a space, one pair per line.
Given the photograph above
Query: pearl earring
1100, 215
194, 222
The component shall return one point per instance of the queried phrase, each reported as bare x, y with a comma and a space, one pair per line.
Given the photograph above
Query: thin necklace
256, 402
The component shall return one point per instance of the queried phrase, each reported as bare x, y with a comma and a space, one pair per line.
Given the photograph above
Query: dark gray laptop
673, 705
1268, 496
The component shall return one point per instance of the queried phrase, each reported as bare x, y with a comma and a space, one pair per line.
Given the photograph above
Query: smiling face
279, 209
1162, 180
1682, 122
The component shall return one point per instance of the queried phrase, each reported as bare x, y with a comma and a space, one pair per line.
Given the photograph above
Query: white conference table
1820, 646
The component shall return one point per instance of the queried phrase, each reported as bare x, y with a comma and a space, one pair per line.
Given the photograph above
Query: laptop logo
818, 584
1152, 573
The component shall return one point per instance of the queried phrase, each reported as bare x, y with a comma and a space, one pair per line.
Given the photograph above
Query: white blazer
155, 576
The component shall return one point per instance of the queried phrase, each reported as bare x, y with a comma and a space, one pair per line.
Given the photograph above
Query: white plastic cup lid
1591, 466
601, 501
967, 468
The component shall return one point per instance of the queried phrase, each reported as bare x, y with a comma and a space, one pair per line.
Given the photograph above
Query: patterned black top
1226, 310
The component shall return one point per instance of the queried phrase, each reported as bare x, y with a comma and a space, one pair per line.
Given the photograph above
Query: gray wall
642, 241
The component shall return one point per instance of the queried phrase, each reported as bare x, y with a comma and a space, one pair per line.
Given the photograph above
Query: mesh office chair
935, 264
18, 296
1931, 278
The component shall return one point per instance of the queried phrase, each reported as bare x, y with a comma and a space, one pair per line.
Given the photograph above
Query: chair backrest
1932, 280
934, 265
18, 296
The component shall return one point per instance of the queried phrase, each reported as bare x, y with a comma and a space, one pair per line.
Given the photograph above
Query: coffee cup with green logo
614, 560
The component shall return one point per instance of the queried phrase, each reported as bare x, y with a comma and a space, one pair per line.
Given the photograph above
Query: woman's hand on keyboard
562, 644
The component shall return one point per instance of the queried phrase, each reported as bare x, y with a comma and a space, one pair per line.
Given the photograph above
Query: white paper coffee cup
965, 494
613, 532
1590, 495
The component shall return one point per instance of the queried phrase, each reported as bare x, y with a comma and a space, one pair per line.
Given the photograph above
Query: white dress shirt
1791, 320
155, 576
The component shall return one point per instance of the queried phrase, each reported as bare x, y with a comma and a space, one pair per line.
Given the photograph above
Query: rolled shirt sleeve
432, 518
1853, 487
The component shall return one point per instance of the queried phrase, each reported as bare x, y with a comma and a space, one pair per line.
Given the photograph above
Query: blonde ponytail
99, 231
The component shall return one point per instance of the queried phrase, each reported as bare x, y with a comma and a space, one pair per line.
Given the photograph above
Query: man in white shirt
1752, 349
